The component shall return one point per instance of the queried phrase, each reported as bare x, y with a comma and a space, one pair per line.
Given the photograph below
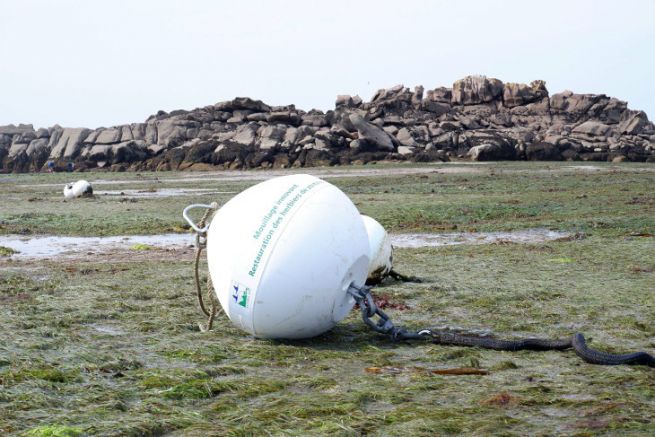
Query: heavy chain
384, 325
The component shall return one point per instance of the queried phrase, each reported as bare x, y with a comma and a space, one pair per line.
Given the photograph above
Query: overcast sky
101, 63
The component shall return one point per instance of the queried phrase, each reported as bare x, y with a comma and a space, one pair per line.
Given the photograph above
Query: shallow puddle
452, 239
50, 246
585, 167
162, 192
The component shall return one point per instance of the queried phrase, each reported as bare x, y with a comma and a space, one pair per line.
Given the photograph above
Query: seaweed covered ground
108, 343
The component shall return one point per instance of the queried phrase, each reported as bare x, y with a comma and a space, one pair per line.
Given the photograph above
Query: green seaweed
7, 251
141, 246
54, 431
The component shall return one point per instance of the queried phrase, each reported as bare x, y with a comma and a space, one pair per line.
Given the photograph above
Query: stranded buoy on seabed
282, 255
77, 189
380, 251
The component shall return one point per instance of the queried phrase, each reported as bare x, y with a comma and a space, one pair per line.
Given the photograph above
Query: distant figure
70, 166
51, 166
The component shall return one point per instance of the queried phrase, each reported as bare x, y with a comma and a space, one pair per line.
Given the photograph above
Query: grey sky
101, 63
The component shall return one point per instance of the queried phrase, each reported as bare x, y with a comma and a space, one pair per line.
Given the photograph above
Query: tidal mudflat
106, 342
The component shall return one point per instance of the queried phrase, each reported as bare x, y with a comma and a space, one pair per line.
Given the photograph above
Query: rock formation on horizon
479, 118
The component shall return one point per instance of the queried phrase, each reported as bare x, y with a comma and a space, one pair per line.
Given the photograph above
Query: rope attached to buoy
201, 244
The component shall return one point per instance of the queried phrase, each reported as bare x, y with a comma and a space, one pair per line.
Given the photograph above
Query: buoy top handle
190, 221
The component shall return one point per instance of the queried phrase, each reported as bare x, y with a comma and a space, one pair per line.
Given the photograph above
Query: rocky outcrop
518, 94
474, 90
370, 136
479, 118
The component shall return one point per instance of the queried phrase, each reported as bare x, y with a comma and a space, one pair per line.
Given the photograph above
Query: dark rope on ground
576, 341
598, 357
384, 325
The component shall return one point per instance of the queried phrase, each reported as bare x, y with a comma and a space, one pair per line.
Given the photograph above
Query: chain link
384, 325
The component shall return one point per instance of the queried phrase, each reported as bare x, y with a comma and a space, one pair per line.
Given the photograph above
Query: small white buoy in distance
80, 188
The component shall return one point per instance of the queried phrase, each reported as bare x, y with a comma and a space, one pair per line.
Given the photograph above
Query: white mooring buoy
282, 255
77, 189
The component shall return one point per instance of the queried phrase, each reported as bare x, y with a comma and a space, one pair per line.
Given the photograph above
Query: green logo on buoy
244, 298
240, 294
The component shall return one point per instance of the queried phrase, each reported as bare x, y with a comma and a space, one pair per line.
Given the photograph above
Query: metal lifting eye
190, 221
